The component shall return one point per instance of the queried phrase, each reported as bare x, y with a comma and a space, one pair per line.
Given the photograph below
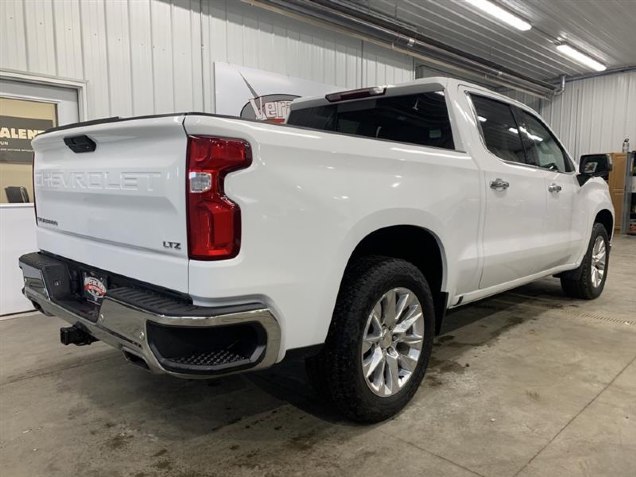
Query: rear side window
416, 119
499, 129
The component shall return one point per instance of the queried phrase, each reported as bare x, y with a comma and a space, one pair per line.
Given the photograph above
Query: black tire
578, 283
337, 370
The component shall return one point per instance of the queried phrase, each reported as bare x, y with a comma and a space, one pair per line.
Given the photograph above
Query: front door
561, 186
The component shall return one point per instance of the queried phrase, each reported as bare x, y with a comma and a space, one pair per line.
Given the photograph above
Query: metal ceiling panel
604, 29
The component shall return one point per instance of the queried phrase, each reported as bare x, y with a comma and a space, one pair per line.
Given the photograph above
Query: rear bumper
155, 330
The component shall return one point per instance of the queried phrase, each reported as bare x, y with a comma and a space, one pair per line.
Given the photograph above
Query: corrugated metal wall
592, 115
596, 114
156, 56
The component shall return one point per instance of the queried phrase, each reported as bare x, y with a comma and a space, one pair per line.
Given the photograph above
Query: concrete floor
528, 383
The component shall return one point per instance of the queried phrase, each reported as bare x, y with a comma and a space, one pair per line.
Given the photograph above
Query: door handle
554, 188
499, 184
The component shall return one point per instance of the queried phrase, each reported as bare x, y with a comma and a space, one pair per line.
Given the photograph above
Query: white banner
256, 94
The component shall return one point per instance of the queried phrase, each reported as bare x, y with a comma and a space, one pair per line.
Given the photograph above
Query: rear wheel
379, 342
587, 282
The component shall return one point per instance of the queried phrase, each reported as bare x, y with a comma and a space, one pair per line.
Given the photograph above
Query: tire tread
582, 287
333, 367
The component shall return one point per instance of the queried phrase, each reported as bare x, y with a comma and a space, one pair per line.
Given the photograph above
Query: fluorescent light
482, 119
501, 14
580, 57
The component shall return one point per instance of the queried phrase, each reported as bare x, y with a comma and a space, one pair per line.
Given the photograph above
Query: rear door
515, 197
119, 205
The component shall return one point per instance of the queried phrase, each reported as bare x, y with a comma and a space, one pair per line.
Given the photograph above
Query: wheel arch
417, 245
605, 218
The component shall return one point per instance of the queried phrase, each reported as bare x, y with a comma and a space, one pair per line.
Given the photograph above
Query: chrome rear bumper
156, 331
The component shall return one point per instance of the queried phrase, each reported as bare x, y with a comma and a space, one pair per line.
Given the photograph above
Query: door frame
45, 80
22, 215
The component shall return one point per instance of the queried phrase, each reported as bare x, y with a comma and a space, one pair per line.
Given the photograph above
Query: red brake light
214, 221
355, 94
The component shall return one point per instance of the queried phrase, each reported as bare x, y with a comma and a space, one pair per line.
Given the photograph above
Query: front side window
541, 147
499, 129
416, 119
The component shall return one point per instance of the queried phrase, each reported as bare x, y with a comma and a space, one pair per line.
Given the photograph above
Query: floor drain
548, 305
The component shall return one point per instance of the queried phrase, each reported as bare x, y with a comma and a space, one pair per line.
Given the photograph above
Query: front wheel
379, 342
587, 282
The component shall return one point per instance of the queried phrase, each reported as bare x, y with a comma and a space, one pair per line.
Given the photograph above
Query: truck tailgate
120, 207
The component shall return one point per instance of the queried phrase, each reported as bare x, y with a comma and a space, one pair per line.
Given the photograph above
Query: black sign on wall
15, 137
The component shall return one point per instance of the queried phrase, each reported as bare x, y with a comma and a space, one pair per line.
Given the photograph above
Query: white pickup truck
202, 245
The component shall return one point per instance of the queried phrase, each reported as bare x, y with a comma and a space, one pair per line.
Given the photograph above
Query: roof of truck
433, 83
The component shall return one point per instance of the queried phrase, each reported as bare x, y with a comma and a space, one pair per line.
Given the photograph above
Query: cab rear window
415, 119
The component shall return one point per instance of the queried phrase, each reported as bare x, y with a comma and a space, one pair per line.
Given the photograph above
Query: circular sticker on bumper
94, 287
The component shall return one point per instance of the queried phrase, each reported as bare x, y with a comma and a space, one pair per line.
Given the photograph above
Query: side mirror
594, 165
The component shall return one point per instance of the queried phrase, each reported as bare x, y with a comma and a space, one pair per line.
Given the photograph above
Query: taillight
214, 221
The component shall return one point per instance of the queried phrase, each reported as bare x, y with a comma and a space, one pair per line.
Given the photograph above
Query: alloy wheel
392, 341
599, 261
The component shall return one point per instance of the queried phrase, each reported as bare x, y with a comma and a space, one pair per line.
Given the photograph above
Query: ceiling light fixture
580, 57
501, 14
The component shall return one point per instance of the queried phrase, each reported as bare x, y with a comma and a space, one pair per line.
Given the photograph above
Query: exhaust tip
136, 360
39, 308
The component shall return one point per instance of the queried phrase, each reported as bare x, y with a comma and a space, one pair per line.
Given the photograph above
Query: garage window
416, 119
